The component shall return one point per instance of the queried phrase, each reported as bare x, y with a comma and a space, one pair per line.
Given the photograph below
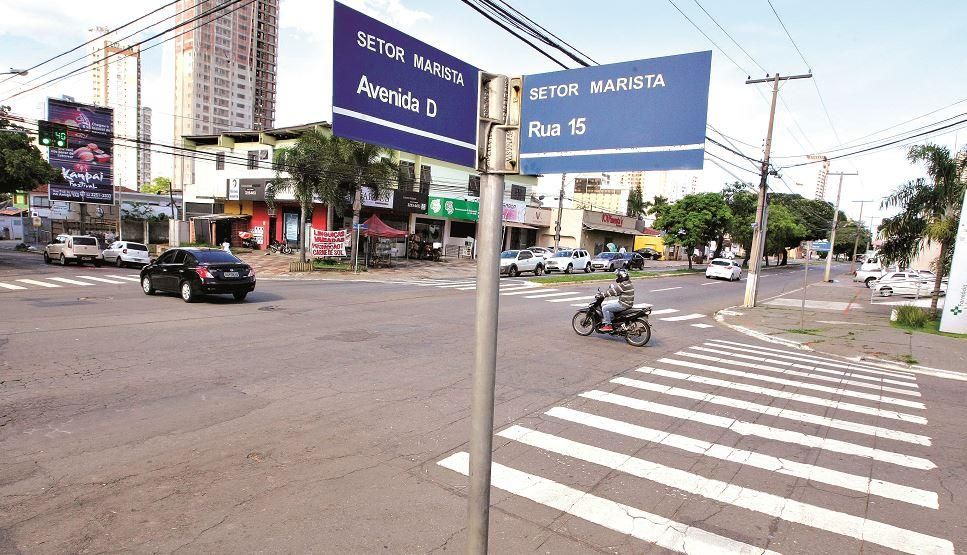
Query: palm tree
652, 207
298, 170
636, 203
930, 211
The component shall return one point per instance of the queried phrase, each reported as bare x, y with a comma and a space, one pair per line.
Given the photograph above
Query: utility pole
856, 243
832, 233
869, 240
560, 210
762, 205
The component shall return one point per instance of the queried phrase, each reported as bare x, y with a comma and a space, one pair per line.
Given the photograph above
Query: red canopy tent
376, 228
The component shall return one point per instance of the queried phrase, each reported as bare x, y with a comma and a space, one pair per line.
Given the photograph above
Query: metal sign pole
802, 309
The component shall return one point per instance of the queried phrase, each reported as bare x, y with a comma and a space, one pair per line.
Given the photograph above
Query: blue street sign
640, 115
360, 226
392, 90
821, 246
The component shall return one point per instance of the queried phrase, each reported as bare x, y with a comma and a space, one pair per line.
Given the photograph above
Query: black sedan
194, 272
634, 261
649, 252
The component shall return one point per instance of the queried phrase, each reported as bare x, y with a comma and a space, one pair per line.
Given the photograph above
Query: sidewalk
840, 320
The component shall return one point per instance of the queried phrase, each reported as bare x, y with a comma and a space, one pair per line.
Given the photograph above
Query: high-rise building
116, 76
225, 71
144, 148
821, 181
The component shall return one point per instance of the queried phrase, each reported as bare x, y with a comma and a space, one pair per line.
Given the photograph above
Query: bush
911, 316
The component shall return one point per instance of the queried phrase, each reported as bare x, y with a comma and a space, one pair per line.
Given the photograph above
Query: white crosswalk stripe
37, 283
100, 279
652, 528
686, 425
11, 287
570, 299
681, 318
69, 281
555, 294
129, 278
702, 326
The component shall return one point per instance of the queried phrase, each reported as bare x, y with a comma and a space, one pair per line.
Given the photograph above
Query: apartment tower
144, 148
225, 70
116, 80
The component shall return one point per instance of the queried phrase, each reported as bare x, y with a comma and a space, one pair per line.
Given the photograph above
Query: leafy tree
694, 220
930, 211
157, 186
636, 203
741, 200
783, 231
22, 168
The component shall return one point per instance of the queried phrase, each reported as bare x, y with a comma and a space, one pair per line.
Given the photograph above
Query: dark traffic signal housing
52, 134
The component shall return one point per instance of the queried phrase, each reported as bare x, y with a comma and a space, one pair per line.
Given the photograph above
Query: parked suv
122, 253
73, 248
513, 263
567, 261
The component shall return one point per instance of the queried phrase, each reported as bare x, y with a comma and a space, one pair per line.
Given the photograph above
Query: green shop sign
442, 207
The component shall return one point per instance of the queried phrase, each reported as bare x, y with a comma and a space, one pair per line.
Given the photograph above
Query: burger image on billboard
86, 161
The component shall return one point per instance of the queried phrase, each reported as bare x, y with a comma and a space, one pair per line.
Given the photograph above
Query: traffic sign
360, 226
639, 115
393, 90
821, 246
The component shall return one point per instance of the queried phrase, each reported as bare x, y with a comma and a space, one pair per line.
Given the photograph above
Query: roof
253, 135
611, 229
223, 217
650, 231
13, 211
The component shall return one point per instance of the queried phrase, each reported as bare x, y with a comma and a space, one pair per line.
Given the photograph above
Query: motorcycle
278, 246
248, 240
632, 324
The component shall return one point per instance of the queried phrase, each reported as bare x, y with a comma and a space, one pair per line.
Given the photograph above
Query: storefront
278, 222
591, 230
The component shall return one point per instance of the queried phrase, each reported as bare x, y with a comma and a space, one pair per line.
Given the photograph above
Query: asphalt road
331, 416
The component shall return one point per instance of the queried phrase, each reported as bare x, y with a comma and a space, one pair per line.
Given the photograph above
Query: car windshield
563, 254
215, 256
607, 255
721, 263
509, 254
137, 247
85, 241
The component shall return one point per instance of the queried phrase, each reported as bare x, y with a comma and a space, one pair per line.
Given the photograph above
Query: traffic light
52, 134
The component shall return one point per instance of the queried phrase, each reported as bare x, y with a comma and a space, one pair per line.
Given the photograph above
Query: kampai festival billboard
87, 163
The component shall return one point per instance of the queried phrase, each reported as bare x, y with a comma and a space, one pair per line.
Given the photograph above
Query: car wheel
869, 282
588, 269
63, 260
188, 293
569, 269
539, 270
98, 263
118, 262
512, 272
611, 268
240, 295
886, 292
146, 285
46, 258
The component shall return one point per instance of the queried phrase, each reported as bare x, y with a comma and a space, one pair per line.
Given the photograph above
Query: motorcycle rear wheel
583, 324
639, 333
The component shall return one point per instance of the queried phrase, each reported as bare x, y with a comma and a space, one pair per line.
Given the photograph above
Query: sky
876, 64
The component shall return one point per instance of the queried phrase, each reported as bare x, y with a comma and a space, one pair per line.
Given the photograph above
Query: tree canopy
157, 186
694, 221
22, 167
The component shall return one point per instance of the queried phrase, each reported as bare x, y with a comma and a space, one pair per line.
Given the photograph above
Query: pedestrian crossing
527, 290
57, 282
738, 428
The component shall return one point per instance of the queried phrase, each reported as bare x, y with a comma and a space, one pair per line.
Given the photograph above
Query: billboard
87, 163
638, 115
393, 90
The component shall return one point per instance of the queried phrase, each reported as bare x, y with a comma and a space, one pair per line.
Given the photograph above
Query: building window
220, 161
253, 159
407, 175
518, 192
425, 179
473, 186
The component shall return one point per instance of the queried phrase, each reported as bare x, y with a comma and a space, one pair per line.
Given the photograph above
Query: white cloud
314, 18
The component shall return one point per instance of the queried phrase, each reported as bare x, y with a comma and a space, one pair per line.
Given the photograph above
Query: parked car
121, 253
568, 260
634, 261
906, 283
543, 252
73, 248
195, 272
513, 263
607, 260
723, 268
649, 252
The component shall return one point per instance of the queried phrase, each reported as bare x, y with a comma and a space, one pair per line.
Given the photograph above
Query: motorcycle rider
624, 292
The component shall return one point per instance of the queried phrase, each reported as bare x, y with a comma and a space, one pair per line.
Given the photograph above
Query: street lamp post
20, 72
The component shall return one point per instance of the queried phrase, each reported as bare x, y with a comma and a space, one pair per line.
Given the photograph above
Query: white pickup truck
73, 248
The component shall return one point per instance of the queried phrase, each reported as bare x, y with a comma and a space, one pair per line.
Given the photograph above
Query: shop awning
375, 227
612, 229
223, 217
515, 224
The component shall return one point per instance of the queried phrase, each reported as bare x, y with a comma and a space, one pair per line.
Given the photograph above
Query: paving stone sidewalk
842, 320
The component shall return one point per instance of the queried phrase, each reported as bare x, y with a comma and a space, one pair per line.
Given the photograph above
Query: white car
121, 253
567, 261
723, 268
543, 252
906, 283
513, 263
73, 248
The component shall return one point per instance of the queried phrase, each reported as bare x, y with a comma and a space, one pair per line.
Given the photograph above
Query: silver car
609, 261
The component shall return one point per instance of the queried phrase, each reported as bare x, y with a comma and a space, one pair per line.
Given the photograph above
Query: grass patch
911, 316
329, 265
804, 331
608, 276
931, 327
907, 359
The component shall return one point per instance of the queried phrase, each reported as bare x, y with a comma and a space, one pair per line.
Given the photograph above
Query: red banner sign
328, 244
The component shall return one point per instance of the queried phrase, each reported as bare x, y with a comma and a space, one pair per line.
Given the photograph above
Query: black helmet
622, 275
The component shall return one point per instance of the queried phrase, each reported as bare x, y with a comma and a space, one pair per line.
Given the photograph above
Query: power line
493, 19
545, 29
715, 44
744, 51
82, 45
961, 101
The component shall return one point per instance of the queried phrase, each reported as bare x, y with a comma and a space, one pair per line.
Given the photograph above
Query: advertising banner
393, 90
954, 316
328, 244
638, 115
442, 207
374, 199
87, 163
514, 211
412, 201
